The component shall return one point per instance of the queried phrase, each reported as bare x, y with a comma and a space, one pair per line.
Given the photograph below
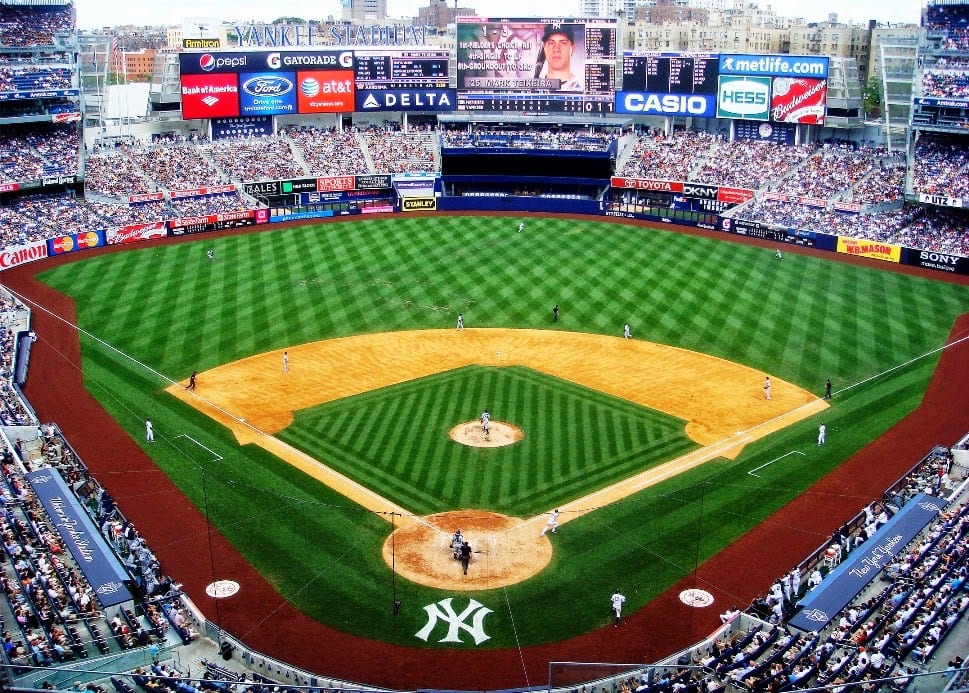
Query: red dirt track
177, 531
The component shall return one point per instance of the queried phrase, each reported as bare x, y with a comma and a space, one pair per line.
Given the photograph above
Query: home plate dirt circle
506, 550
472, 434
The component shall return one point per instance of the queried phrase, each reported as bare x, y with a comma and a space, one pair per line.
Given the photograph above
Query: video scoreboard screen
406, 69
536, 65
670, 74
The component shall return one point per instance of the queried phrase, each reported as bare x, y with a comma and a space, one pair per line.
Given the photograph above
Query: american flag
115, 57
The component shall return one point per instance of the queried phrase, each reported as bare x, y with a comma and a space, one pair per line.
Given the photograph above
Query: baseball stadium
400, 368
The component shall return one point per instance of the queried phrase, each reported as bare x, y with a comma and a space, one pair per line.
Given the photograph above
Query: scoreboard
681, 73
406, 69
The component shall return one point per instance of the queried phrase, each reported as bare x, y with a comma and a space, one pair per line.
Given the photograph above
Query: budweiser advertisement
136, 232
21, 254
797, 100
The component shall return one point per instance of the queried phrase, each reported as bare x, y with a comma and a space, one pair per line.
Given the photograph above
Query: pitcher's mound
505, 551
472, 433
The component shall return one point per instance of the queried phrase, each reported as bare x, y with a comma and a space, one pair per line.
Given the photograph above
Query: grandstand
66, 189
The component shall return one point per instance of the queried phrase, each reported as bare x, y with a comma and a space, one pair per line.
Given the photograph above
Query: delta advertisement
233, 84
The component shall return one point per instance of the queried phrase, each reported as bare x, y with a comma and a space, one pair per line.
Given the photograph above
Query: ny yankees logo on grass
443, 611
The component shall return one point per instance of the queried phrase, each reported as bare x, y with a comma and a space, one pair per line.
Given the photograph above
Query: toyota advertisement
242, 84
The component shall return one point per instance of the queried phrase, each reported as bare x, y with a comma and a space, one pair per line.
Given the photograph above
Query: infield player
285, 362
822, 433
552, 523
191, 380
626, 333
486, 421
767, 387
460, 325
617, 601
149, 431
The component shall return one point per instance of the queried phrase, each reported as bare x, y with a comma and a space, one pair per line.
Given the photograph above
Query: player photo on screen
521, 56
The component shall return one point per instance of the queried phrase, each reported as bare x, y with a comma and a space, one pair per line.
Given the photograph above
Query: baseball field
660, 451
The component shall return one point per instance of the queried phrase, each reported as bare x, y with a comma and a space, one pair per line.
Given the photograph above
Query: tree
872, 97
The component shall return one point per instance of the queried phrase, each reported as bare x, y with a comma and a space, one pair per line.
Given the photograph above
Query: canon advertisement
233, 84
529, 64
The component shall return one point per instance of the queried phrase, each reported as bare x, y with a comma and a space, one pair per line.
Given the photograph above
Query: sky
95, 14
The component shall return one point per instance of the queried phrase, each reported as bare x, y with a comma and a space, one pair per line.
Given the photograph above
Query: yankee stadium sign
312, 34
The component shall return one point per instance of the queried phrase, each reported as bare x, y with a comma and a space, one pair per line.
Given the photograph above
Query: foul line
776, 459
216, 457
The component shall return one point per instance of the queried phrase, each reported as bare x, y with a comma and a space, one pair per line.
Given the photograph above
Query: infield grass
801, 319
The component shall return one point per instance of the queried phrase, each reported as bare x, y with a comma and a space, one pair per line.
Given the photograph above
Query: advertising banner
652, 103
700, 191
647, 184
943, 262
57, 180
209, 96
202, 192
865, 563
9, 187
437, 100
847, 207
145, 197
40, 94
734, 196
798, 100
941, 103
76, 241
236, 62
81, 537
136, 232
250, 126
873, 249
334, 183
940, 200
418, 204
267, 93
774, 65
14, 255
325, 91
378, 181
744, 97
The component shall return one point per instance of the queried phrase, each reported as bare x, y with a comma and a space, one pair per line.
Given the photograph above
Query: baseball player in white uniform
552, 523
617, 601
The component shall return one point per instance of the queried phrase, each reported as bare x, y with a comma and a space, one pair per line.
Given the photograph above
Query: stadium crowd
940, 166
34, 25
329, 152
532, 138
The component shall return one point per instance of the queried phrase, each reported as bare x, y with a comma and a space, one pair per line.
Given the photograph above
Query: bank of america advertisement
568, 55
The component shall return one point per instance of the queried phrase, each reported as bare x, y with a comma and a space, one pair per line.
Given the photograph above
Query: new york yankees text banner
861, 566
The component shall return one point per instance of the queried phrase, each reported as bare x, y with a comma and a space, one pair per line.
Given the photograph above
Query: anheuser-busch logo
18, 256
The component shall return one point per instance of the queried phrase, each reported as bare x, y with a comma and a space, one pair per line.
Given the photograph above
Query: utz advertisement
528, 55
798, 100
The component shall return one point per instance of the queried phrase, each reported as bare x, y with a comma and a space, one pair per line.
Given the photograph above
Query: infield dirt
722, 402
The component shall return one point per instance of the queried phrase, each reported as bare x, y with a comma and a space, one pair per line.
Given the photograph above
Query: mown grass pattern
395, 440
801, 319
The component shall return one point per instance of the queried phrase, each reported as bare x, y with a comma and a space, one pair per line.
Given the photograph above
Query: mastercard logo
64, 244
87, 240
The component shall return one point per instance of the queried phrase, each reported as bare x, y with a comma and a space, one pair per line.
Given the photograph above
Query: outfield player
822, 433
617, 601
552, 523
521, 226
149, 431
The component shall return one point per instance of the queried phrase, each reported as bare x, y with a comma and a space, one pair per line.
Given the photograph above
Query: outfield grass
801, 319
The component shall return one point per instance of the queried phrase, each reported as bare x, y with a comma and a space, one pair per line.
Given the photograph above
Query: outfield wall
508, 204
